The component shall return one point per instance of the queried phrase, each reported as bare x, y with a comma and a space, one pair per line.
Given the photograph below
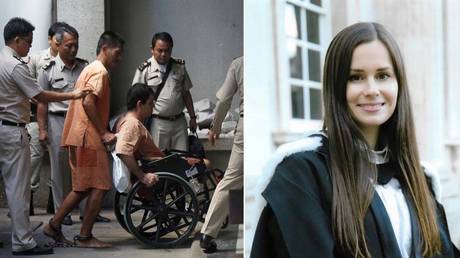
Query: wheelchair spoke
178, 198
181, 213
137, 199
145, 220
140, 227
177, 233
183, 225
150, 227
135, 208
165, 188
157, 235
144, 216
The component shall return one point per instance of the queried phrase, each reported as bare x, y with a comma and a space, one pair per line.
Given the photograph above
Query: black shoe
1, 244
208, 244
99, 218
67, 220
38, 250
50, 206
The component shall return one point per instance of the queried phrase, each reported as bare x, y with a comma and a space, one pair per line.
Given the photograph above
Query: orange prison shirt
88, 157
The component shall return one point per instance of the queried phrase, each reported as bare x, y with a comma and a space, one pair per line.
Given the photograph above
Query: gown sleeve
268, 240
296, 221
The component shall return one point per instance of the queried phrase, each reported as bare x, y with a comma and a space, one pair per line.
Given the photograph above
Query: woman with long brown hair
356, 189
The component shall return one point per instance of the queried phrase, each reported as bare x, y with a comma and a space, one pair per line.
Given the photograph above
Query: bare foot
92, 243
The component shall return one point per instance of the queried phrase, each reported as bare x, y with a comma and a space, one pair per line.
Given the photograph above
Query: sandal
56, 234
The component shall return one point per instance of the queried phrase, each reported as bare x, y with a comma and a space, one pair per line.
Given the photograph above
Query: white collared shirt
396, 207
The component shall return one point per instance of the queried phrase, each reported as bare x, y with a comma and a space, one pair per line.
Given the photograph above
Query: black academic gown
297, 219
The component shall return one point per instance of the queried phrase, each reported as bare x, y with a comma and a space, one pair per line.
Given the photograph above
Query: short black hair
164, 36
17, 27
54, 28
138, 91
110, 39
65, 28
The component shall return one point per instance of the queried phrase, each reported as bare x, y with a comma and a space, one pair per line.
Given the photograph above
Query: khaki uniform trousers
59, 161
170, 134
15, 169
233, 179
36, 155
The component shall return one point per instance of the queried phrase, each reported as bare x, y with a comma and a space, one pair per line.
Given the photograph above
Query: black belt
59, 113
6, 122
170, 118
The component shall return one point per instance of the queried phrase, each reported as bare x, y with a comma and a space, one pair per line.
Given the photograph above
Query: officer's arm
187, 97
51, 96
42, 108
224, 99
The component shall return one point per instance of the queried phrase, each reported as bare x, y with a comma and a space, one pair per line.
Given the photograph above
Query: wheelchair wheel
163, 215
119, 208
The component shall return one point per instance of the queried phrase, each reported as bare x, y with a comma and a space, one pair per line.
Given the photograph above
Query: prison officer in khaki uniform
37, 152
233, 177
16, 88
169, 126
59, 75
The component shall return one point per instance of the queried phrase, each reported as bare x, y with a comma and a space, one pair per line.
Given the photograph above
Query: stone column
88, 17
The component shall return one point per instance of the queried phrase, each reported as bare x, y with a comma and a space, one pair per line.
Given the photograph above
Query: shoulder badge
20, 59
81, 60
179, 61
144, 65
48, 65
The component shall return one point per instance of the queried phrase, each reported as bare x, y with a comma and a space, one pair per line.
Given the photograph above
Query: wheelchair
165, 215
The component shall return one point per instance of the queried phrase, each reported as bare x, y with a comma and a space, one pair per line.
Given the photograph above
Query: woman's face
372, 88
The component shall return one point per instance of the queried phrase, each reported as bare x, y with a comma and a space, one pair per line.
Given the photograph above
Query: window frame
289, 124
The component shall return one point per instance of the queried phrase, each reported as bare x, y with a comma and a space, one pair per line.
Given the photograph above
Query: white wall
28, 10
261, 106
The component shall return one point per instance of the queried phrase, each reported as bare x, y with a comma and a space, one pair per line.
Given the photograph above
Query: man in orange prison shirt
86, 135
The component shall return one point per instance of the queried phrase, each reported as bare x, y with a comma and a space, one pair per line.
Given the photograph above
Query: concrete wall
88, 17
207, 34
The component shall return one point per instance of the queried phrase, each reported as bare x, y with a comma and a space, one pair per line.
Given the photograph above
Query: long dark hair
350, 165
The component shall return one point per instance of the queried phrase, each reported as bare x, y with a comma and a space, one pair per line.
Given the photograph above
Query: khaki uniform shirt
55, 76
170, 101
38, 60
16, 87
233, 84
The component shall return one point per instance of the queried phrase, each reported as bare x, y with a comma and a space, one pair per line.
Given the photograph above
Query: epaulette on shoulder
48, 65
82, 60
179, 61
144, 65
20, 59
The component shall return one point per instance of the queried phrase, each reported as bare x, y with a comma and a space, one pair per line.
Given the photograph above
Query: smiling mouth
371, 106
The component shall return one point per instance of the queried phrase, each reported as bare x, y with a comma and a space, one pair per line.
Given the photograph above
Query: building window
305, 38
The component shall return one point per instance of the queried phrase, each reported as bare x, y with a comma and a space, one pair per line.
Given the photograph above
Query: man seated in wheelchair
134, 142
